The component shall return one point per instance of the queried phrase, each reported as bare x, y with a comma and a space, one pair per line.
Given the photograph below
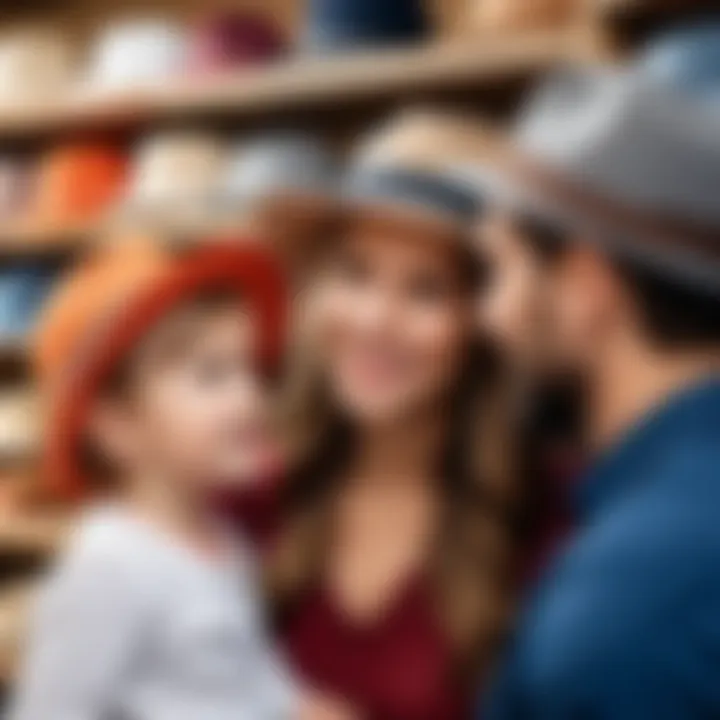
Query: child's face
195, 410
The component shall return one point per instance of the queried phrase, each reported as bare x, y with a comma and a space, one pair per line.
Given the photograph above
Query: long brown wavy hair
474, 559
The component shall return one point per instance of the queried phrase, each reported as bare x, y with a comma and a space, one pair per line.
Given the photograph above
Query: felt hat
176, 172
78, 182
106, 306
629, 165
36, 66
344, 25
232, 39
137, 52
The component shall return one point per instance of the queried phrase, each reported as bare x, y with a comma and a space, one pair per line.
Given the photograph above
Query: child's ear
112, 432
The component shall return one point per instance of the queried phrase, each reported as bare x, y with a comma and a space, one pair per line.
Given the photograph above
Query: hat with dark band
405, 173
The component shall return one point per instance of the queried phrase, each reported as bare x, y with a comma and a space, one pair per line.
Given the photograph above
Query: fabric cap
136, 53
107, 304
78, 183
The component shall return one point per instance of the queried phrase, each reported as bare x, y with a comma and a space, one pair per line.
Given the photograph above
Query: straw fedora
408, 172
630, 165
107, 304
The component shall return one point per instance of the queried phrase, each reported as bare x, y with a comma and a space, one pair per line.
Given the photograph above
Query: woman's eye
351, 269
429, 289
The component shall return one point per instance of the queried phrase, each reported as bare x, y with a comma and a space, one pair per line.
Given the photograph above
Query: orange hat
78, 182
108, 303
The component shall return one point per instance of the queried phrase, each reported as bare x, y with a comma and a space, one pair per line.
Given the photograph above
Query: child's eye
213, 371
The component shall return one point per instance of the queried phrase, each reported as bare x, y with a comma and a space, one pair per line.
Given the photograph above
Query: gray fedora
630, 164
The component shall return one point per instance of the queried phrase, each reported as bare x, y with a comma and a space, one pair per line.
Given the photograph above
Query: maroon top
396, 668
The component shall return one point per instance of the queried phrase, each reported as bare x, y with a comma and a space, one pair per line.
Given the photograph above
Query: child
151, 363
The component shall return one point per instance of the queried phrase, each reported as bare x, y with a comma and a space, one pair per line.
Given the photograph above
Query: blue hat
23, 290
353, 24
688, 58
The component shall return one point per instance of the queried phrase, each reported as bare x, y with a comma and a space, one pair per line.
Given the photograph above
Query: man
604, 255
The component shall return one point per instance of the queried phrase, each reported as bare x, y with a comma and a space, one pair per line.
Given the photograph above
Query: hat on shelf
630, 166
517, 15
688, 58
279, 183
339, 25
228, 40
175, 178
108, 303
36, 66
78, 183
16, 185
19, 422
137, 53
23, 291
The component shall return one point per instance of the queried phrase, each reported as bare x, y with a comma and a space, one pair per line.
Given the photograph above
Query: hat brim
243, 267
517, 183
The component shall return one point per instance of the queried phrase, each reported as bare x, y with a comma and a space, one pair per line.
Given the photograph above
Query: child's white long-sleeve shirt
132, 626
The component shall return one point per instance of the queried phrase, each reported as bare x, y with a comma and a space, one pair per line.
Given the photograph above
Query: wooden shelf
314, 82
32, 534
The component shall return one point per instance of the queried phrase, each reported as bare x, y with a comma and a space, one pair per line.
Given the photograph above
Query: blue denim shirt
626, 623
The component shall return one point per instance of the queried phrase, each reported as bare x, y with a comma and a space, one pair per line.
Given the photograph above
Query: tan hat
409, 171
514, 15
36, 66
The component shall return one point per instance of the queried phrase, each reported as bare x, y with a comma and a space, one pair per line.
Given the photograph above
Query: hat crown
638, 143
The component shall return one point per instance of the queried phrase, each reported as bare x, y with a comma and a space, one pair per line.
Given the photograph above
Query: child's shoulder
108, 542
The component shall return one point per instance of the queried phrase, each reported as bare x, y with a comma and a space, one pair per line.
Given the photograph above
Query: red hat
108, 303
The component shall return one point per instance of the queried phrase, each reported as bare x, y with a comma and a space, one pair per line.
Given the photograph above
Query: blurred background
174, 115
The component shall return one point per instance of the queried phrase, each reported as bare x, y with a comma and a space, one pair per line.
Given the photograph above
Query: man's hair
675, 315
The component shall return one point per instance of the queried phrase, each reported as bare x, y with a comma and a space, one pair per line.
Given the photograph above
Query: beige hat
36, 66
175, 174
514, 15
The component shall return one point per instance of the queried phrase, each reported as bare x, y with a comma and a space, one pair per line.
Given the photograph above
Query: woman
392, 562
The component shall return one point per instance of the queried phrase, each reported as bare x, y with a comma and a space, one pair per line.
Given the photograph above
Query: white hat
137, 53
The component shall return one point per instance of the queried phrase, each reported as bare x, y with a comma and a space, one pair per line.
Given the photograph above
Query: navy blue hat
351, 24
23, 290
687, 58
